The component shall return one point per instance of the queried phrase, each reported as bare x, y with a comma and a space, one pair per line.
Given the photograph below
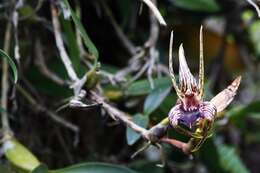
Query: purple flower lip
189, 119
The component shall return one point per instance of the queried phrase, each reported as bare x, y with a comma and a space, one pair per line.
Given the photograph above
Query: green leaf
95, 168
255, 116
87, 41
73, 48
42, 168
197, 5
230, 160
11, 63
143, 87
19, 155
208, 154
239, 112
155, 98
146, 166
254, 34
168, 103
131, 135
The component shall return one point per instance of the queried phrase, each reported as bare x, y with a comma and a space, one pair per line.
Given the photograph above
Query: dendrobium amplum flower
192, 115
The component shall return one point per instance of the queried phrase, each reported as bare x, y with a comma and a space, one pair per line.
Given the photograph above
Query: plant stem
60, 45
5, 84
122, 116
155, 11
77, 83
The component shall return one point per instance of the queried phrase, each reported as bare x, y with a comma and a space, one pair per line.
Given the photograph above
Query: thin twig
130, 47
59, 42
154, 55
178, 144
15, 20
119, 115
5, 83
139, 74
64, 145
154, 30
151, 43
42, 108
154, 136
255, 6
40, 62
155, 11
77, 83
143, 60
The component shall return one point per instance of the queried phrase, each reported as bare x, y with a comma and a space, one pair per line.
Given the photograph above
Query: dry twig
155, 11
119, 114
77, 83
40, 62
153, 136
42, 108
5, 82
255, 6
130, 47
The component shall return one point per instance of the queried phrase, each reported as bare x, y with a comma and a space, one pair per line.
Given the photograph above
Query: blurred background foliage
231, 47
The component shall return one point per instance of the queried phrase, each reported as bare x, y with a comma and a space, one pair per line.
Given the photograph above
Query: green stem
158, 131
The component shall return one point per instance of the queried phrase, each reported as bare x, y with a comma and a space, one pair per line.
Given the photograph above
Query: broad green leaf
131, 135
11, 63
95, 168
146, 166
230, 160
87, 41
155, 98
143, 87
42, 168
19, 155
197, 5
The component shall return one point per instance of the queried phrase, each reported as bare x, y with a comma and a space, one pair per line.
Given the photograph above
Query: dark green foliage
11, 63
131, 135
95, 168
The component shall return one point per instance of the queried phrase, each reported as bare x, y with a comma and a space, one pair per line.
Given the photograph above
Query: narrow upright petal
171, 68
201, 72
187, 81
